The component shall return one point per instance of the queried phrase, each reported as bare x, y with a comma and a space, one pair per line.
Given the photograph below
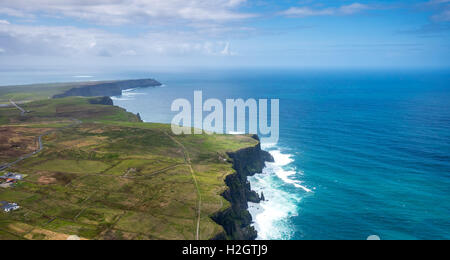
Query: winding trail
187, 158
41, 145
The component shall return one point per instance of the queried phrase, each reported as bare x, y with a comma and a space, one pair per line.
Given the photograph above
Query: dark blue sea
360, 153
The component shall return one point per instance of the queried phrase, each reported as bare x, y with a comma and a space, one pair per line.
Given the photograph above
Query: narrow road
187, 158
41, 146
23, 111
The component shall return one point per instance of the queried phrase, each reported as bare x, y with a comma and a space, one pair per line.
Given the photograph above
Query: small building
8, 207
12, 176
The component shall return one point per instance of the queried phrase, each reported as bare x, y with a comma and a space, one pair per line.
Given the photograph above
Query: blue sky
225, 33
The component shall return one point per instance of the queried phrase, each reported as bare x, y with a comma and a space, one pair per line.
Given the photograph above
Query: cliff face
237, 220
107, 101
108, 89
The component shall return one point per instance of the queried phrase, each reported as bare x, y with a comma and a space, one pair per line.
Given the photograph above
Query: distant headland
114, 88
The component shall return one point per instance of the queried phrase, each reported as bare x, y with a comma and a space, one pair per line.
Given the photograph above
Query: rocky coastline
237, 220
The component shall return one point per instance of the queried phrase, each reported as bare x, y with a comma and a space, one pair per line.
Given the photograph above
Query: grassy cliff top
104, 175
27, 93
39, 91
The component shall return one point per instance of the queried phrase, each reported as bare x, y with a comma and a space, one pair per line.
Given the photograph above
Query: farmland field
105, 175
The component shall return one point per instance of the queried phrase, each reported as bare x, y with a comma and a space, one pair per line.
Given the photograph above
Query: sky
225, 33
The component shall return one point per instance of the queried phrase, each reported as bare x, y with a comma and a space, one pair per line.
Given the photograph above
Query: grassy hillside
104, 175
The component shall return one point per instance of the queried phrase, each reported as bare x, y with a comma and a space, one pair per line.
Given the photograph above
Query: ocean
360, 153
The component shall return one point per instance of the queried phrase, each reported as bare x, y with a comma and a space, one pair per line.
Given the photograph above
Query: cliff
236, 220
108, 89
107, 101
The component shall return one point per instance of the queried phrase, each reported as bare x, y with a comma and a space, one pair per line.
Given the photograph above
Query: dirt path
188, 162
23, 111
41, 145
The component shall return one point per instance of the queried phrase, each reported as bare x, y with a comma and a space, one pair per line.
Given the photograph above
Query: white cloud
233, 3
227, 51
352, 9
44, 40
2, 50
70, 41
130, 11
343, 10
128, 53
443, 16
12, 11
441, 9
4, 22
306, 11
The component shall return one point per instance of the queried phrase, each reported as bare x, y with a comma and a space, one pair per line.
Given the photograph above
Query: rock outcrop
108, 89
237, 220
139, 117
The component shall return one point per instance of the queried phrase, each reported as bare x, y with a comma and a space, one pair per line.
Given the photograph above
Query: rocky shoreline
237, 220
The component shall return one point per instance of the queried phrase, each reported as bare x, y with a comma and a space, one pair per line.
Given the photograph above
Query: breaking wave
272, 217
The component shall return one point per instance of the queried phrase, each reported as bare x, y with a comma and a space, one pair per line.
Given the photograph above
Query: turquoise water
360, 153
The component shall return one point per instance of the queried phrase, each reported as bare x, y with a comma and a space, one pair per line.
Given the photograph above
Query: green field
105, 175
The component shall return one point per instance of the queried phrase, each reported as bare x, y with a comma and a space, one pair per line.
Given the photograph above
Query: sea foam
128, 95
281, 161
272, 217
